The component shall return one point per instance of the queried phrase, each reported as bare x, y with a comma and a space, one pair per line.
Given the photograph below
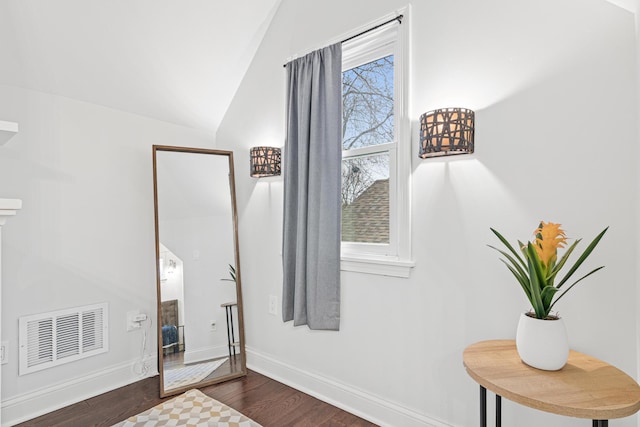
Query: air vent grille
54, 338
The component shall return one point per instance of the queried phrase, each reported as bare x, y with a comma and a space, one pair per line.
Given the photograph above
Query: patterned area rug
193, 409
190, 374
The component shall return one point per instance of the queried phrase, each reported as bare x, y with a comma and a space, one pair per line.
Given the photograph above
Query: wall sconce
172, 266
265, 161
446, 131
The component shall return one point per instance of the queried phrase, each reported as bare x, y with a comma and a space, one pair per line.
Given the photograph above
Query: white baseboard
205, 354
365, 405
22, 408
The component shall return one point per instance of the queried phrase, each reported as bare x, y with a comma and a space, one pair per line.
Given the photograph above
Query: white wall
85, 235
554, 88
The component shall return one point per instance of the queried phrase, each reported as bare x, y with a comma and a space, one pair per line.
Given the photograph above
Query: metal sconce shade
265, 161
446, 131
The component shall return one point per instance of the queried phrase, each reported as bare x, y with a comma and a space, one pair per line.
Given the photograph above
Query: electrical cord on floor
141, 368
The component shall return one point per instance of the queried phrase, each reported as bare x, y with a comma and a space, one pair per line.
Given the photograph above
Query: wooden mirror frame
241, 369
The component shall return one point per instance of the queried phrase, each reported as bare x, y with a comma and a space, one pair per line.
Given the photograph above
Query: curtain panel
312, 185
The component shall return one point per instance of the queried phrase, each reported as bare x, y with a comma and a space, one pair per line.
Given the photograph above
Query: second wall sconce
446, 131
265, 161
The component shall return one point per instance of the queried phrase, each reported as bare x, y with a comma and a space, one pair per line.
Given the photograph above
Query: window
376, 156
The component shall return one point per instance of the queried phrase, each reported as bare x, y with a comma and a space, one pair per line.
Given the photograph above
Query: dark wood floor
266, 401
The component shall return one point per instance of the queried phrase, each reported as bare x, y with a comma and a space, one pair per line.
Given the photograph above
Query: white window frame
393, 259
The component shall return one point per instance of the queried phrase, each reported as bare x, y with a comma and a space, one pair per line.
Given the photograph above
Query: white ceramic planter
542, 344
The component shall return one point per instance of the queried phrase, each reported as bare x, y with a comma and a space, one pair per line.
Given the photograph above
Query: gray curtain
312, 182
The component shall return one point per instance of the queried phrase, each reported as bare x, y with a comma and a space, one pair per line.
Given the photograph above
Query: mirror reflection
200, 323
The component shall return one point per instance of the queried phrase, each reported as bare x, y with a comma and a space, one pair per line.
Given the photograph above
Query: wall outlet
4, 352
134, 320
212, 325
273, 305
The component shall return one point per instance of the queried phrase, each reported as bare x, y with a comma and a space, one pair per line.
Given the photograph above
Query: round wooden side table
585, 388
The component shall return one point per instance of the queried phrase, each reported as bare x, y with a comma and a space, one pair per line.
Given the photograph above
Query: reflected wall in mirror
200, 321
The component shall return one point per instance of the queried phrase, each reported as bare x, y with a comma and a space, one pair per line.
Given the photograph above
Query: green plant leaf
517, 271
556, 269
573, 284
584, 256
547, 296
510, 258
536, 277
522, 280
523, 248
508, 245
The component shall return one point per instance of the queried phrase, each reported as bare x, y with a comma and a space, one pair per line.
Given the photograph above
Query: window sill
383, 266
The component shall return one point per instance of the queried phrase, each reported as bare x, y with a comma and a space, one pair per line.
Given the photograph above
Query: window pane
365, 199
367, 110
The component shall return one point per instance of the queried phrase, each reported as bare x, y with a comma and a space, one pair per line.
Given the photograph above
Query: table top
228, 304
585, 388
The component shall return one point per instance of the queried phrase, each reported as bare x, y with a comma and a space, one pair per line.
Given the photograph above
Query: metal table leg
600, 423
229, 330
233, 338
483, 407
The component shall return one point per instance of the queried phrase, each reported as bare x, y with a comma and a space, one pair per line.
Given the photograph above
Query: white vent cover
51, 339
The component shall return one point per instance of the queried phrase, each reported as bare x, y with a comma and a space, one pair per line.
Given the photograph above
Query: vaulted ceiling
176, 61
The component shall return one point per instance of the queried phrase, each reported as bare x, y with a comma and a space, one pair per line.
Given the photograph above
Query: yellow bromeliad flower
536, 265
549, 237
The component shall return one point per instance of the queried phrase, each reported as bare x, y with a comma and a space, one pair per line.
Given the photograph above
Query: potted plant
232, 273
541, 337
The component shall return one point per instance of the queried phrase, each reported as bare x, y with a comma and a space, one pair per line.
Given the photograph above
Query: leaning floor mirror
200, 322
